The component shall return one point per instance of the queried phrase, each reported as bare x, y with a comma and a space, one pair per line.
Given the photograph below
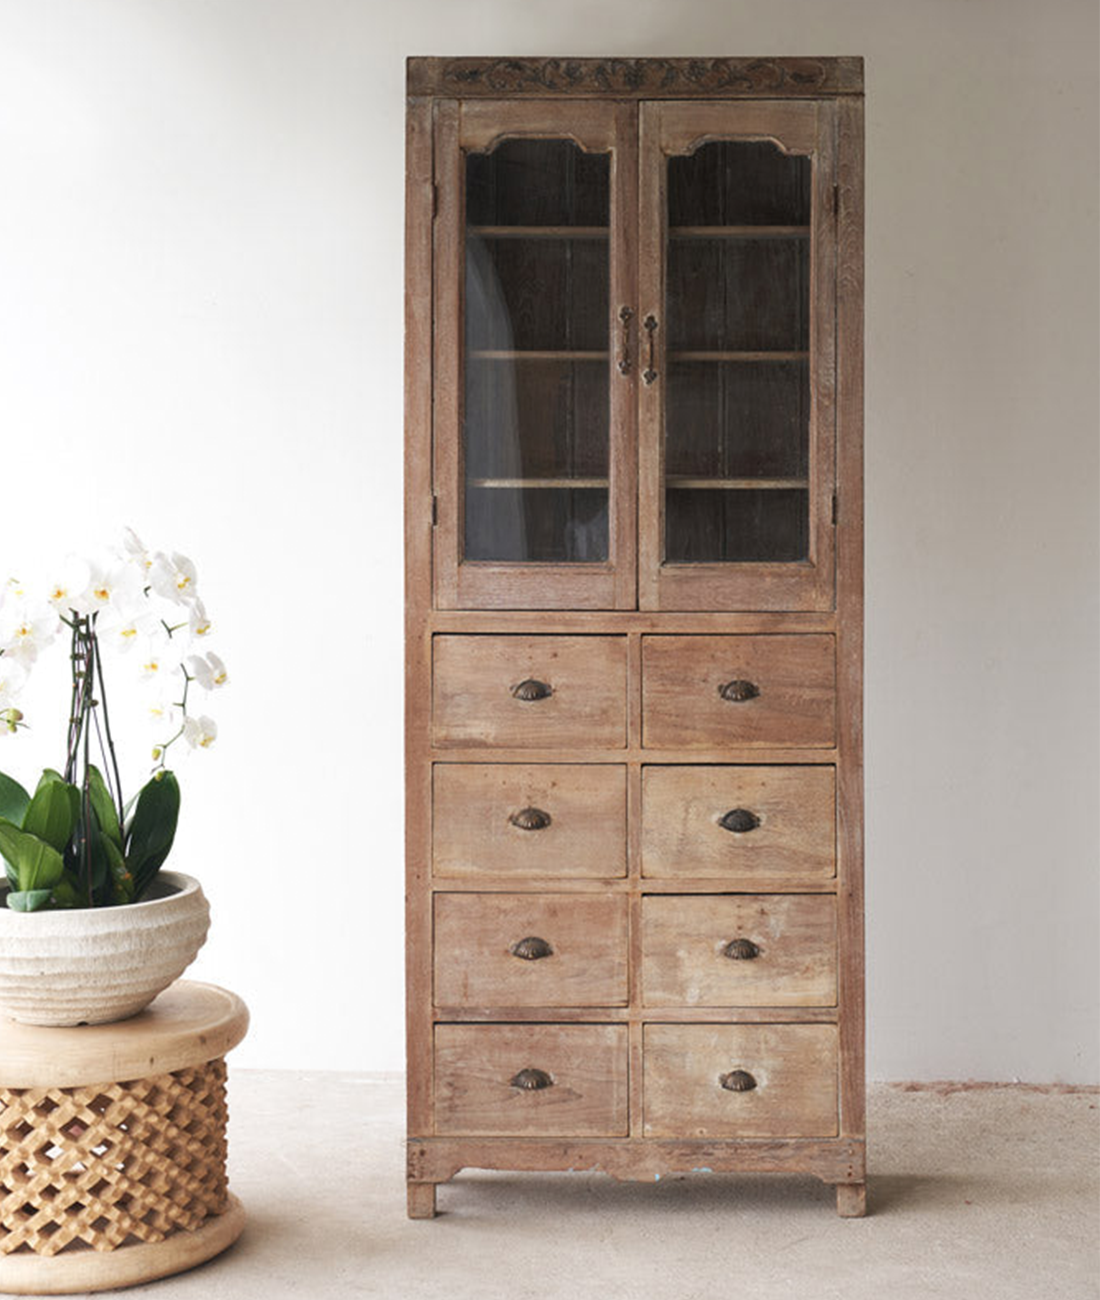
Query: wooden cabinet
634, 618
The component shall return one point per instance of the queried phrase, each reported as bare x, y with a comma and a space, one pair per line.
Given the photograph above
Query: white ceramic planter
97, 964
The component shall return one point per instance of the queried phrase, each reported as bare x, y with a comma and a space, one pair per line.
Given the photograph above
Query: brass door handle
737, 1081
531, 1080
739, 820
741, 950
738, 690
532, 689
531, 949
649, 374
530, 819
626, 315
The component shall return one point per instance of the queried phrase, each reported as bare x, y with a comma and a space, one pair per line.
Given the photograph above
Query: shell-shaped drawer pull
740, 950
738, 690
531, 1080
739, 820
530, 819
737, 1081
531, 949
532, 689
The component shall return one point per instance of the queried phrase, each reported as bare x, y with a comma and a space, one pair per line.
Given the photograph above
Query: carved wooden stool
113, 1145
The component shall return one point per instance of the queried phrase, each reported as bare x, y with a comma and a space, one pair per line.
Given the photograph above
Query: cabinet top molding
636, 78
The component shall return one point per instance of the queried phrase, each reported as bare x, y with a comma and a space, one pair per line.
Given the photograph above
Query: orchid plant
74, 842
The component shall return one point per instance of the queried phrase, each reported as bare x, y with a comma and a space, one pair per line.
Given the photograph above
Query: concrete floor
973, 1193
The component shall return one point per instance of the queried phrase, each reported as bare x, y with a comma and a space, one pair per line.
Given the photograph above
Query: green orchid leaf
103, 891
37, 865
66, 893
28, 900
104, 807
52, 812
13, 800
13, 806
128, 815
121, 879
152, 829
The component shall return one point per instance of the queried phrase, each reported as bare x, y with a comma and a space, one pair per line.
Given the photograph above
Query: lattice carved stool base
106, 1184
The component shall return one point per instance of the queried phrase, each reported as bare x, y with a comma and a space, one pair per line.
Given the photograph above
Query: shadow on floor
475, 1193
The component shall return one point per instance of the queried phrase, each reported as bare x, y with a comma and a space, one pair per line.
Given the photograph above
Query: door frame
458, 583
798, 127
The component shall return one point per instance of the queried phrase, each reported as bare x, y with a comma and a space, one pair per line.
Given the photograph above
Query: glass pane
737, 408
535, 414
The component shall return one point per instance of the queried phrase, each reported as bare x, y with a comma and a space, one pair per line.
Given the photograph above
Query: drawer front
575, 1077
528, 819
739, 823
747, 950
740, 1081
706, 692
530, 950
529, 691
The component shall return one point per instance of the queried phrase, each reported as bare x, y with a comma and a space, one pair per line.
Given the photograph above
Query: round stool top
188, 1024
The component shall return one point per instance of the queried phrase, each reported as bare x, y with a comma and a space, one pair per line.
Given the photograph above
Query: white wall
200, 303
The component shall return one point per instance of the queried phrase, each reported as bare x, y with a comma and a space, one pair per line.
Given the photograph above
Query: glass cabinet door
535, 463
737, 264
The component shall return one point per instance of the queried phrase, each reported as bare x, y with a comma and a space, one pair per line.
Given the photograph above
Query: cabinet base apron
837, 1161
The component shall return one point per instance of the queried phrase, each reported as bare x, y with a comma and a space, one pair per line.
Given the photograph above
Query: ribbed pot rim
180, 887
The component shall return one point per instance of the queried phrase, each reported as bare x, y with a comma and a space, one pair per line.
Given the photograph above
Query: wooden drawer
791, 1069
739, 823
744, 950
477, 1090
530, 950
525, 819
692, 689
534, 692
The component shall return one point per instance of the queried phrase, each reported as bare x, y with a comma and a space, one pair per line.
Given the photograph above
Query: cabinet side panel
446, 394
418, 541
850, 613
823, 362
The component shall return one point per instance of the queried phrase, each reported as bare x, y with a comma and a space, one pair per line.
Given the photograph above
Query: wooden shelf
735, 484
738, 356
675, 232
739, 232
548, 354
538, 232
537, 482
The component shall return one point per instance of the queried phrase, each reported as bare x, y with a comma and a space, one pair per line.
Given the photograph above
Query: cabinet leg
421, 1200
851, 1200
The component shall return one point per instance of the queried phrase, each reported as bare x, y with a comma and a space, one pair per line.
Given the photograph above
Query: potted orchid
91, 929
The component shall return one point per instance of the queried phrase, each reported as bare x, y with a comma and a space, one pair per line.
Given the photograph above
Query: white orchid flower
25, 631
115, 592
134, 550
126, 633
13, 677
163, 712
173, 577
197, 621
209, 671
159, 658
201, 732
70, 589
